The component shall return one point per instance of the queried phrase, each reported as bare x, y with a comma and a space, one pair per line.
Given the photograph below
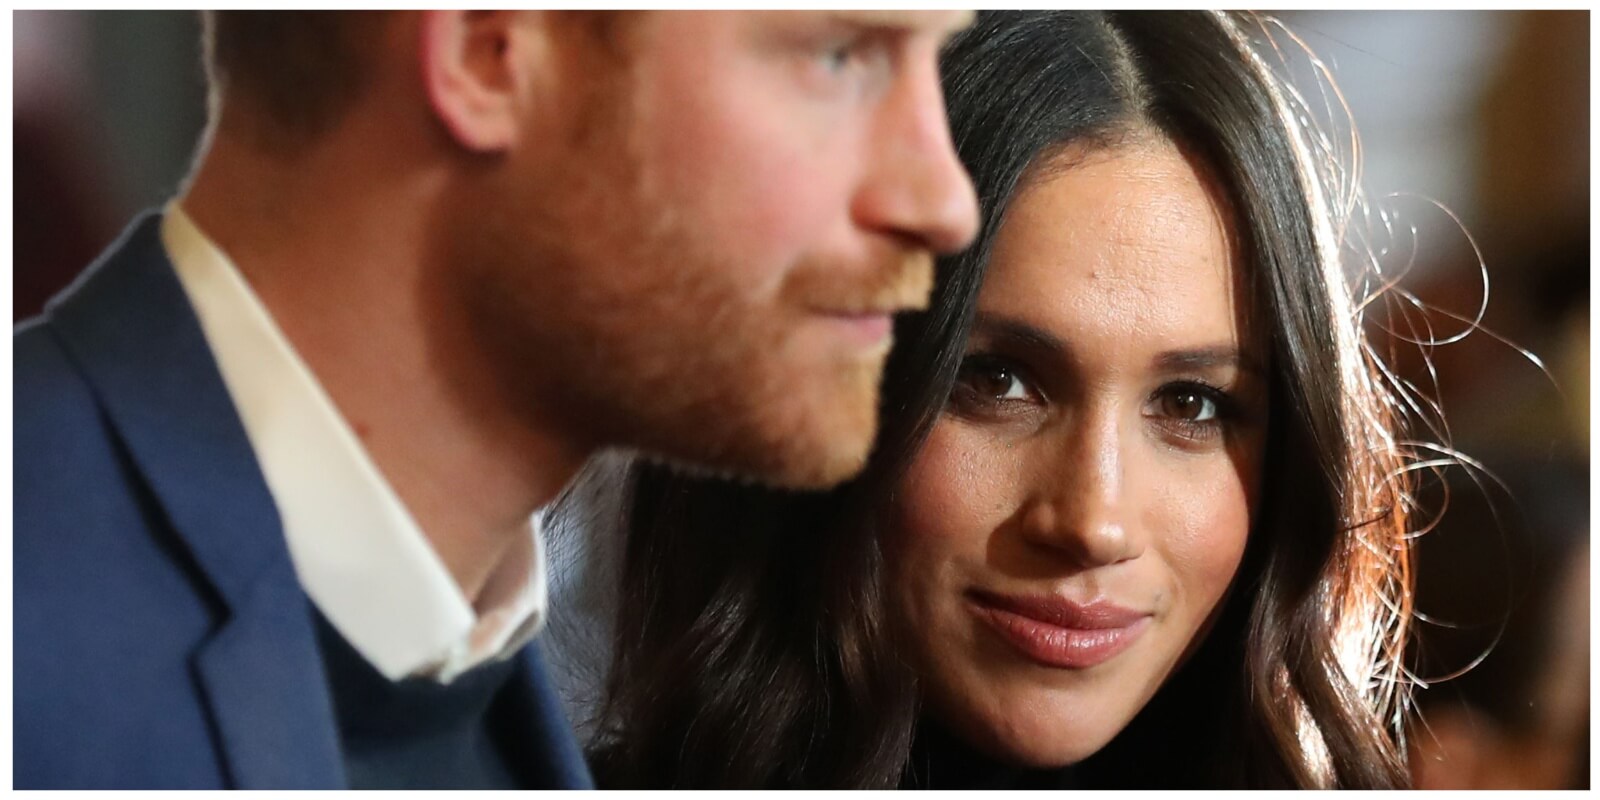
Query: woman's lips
1057, 632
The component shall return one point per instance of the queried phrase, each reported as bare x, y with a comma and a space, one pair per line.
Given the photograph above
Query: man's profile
277, 452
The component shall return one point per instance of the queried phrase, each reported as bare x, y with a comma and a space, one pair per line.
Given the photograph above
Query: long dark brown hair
751, 648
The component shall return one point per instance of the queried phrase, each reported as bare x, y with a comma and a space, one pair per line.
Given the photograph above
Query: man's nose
916, 187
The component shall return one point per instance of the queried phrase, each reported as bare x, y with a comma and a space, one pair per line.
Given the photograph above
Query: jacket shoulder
106, 610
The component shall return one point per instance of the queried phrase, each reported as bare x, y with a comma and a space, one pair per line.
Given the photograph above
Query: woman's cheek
1209, 523
959, 488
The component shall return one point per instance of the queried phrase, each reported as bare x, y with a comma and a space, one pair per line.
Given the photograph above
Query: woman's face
1079, 509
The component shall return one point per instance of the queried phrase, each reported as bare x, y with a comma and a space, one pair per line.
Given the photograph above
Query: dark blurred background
1483, 113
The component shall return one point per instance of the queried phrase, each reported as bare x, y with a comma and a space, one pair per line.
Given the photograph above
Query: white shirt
360, 556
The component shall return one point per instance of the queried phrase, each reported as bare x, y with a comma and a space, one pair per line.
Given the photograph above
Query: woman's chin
1044, 742
1048, 755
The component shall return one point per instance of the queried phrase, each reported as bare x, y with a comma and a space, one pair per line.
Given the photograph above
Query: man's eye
836, 57
862, 52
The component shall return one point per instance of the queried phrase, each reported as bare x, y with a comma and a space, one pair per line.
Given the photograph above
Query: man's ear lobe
475, 67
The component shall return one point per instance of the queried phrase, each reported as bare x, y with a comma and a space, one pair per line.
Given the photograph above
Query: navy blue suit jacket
161, 637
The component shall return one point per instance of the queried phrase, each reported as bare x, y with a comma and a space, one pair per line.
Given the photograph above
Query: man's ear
476, 71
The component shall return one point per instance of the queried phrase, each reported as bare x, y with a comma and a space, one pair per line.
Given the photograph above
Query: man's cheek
785, 204
771, 179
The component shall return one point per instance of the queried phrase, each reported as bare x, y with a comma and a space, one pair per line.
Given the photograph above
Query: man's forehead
938, 22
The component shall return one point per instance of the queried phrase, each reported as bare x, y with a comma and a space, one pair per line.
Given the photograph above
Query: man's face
699, 249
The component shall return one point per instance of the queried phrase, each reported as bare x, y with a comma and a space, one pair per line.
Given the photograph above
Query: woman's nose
1081, 504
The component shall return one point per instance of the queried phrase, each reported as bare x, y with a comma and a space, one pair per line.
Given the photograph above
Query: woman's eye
1189, 405
992, 382
995, 381
999, 383
1193, 412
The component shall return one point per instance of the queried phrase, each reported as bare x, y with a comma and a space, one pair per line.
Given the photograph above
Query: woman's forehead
1125, 240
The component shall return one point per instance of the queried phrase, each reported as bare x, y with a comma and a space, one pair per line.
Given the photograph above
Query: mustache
893, 279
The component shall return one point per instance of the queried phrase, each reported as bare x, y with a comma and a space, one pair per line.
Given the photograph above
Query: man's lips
863, 327
1057, 632
868, 325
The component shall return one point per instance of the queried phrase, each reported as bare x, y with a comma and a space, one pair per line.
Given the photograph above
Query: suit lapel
129, 325
262, 674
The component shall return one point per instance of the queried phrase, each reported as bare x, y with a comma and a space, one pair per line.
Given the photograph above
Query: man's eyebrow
938, 22
1217, 355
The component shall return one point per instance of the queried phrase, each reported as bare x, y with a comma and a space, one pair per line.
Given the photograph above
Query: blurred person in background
1503, 578
63, 216
1503, 631
279, 450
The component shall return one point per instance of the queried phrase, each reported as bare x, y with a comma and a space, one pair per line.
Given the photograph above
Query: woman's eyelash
997, 368
993, 386
988, 384
1195, 410
1223, 400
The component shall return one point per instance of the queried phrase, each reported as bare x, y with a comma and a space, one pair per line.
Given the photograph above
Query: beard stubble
611, 317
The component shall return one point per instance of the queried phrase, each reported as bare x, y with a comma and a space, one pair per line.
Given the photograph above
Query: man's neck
335, 248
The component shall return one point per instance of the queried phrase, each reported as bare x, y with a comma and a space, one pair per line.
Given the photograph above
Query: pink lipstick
1057, 632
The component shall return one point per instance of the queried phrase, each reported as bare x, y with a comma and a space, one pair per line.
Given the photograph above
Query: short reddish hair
301, 70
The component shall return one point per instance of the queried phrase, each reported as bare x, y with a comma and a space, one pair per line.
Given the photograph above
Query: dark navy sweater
416, 733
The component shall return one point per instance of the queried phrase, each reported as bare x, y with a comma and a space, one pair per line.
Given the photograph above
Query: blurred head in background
1503, 632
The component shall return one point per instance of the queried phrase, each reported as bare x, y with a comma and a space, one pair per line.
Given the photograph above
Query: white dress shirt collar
359, 554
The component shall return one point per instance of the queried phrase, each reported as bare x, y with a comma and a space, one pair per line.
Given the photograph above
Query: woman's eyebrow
1017, 333
1210, 357
1043, 344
